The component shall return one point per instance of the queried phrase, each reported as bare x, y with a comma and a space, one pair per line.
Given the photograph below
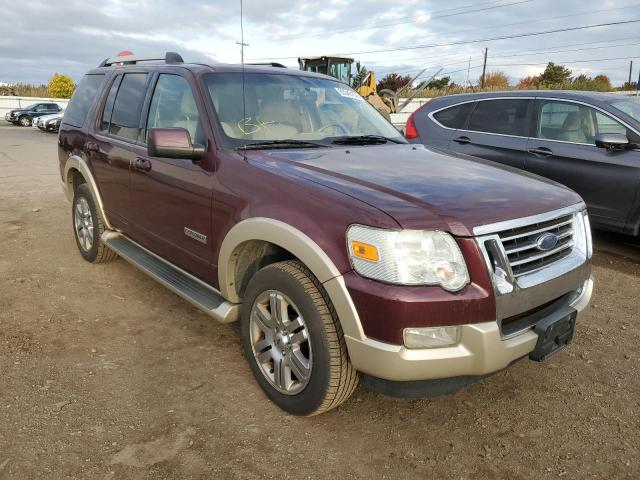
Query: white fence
11, 103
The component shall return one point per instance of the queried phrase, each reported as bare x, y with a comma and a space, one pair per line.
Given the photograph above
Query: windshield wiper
362, 140
280, 144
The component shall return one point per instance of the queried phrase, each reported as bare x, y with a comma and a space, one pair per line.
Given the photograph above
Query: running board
193, 290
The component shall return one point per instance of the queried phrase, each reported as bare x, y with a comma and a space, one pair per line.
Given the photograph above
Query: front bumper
482, 350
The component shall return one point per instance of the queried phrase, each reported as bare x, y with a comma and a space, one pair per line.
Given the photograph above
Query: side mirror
612, 141
172, 143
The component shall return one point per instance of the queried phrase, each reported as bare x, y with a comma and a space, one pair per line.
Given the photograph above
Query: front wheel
293, 341
25, 121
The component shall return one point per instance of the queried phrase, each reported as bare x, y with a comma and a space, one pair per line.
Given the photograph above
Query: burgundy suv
282, 199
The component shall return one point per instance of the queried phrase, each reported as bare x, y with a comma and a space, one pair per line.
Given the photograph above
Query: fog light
431, 337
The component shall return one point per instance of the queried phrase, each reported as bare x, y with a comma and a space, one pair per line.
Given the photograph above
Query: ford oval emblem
547, 241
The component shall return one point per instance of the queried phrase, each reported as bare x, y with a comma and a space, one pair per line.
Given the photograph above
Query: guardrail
10, 103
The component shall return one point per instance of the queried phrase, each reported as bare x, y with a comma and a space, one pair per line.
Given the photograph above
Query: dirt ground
106, 374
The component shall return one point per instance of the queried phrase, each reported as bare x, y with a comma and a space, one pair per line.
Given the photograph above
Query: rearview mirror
612, 141
172, 143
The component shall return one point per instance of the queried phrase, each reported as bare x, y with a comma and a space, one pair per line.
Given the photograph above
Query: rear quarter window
82, 99
454, 117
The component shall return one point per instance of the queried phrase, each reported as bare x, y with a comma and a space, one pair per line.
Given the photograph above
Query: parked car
24, 116
585, 140
282, 199
48, 123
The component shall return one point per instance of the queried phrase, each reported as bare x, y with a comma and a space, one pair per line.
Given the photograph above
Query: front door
497, 130
171, 198
563, 149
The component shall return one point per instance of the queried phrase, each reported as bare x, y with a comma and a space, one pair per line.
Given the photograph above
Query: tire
88, 227
25, 121
330, 377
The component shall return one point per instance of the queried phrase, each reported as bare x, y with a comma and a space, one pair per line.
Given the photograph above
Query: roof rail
169, 57
268, 64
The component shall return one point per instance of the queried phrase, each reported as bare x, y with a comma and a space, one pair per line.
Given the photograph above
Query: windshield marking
253, 127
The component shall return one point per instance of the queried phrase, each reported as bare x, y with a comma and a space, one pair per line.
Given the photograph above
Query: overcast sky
72, 36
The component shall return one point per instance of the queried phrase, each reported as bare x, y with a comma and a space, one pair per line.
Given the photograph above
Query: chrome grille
520, 244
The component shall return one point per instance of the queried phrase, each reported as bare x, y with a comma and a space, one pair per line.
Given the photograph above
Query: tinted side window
507, 117
82, 99
454, 117
125, 120
173, 105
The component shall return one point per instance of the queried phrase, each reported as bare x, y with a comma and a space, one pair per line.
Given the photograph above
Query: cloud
72, 36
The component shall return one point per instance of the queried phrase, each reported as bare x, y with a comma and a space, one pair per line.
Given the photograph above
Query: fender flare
303, 248
75, 162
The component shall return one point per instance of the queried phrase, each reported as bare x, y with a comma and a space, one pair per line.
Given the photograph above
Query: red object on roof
125, 53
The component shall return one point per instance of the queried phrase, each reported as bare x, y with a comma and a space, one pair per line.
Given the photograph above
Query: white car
48, 123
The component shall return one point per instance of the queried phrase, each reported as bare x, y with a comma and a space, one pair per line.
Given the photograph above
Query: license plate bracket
554, 333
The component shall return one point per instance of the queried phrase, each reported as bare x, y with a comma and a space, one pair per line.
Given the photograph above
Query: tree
530, 81
437, 83
496, 79
555, 75
393, 81
61, 86
358, 78
602, 83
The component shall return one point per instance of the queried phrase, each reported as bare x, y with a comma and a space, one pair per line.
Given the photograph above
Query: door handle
142, 164
462, 140
92, 147
542, 151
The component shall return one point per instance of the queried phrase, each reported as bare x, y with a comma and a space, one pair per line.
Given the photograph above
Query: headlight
407, 257
584, 242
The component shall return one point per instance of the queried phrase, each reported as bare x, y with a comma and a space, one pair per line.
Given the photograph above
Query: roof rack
267, 64
169, 57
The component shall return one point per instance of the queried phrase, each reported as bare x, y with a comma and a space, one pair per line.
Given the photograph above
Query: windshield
289, 107
630, 107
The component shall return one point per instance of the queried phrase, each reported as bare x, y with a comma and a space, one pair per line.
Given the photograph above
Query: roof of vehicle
605, 97
216, 67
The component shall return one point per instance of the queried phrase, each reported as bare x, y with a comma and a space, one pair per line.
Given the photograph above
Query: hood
423, 188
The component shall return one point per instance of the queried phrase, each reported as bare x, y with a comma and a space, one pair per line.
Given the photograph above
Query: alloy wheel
83, 222
280, 342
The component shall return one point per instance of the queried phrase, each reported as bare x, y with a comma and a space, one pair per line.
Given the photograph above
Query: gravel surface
106, 374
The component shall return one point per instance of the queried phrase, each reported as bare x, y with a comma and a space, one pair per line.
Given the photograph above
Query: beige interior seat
572, 130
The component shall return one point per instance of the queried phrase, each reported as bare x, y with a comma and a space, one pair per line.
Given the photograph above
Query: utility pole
630, 70
484, 68
466, 82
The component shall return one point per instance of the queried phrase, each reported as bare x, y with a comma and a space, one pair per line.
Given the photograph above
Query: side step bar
193, 290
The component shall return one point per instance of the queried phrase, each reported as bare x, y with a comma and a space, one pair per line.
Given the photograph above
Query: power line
525, 53
490, 39
412, 20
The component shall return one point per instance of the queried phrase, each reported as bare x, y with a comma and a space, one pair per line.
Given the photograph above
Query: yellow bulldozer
385, 101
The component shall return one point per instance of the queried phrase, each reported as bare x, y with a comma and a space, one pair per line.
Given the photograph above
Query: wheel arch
74, 167
289, 243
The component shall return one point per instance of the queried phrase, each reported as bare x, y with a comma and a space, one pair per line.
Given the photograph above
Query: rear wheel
88, 227
293, 340
25, 121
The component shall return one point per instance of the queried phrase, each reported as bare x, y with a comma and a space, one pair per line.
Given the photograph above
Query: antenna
242, 45
241, 42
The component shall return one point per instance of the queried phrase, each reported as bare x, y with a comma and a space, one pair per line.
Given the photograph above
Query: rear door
171, 198
496, 130
563, 149
114, 143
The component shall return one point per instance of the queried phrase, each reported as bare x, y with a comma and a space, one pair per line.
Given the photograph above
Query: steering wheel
335, 125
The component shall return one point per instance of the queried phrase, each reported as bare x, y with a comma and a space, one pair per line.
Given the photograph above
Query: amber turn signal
364, 251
